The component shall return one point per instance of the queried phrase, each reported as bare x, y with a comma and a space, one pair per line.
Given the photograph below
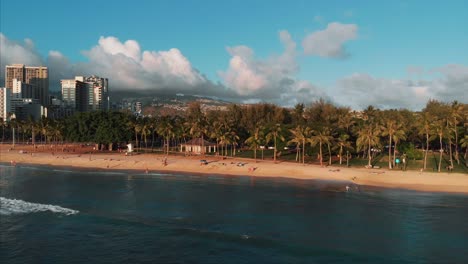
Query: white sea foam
14, 206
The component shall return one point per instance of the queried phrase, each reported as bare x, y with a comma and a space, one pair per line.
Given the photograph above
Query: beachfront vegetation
319, 133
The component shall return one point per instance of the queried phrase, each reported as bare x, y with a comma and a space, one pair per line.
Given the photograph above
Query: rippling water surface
66, 216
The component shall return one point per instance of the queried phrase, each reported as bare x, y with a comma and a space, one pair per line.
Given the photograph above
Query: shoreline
148, 163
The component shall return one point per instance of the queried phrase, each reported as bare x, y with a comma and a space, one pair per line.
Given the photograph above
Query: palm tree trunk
152, 141
297, 154
440, 151
303, 151
341, 154
347, 159
427, 151
255, 154
329, 154
167, 145
394, 153
369, 154
320, 154
274, 152
13, 137
136, 139
33, 136
450, 151
390, 153
203, 144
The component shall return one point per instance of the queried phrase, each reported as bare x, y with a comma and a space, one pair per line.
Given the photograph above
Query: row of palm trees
320, 128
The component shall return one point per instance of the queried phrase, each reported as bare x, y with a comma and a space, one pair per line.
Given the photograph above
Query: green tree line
320, 132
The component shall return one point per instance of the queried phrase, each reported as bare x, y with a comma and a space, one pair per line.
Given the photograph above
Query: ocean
52, 215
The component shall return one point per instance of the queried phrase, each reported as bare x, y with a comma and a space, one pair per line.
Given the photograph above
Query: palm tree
153, 127
395, 133
345, 121
425, 129
145, 130
275, 134
297, 137
197, 123
254, 141
233, 139
13, 124
320, 137
368, 137
217, 133
166, 129
32, 125
439, 130
327, 133
300, 136
456, 113
449, 136
44, 127
389, 130
343, 143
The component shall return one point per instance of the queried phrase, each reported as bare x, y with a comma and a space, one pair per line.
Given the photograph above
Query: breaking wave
14, 206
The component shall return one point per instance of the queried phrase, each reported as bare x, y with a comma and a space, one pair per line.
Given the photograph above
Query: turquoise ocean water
50, 215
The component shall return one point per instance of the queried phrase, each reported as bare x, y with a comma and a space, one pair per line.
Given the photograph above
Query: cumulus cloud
124, 63
330, 42
131, 68
360, 90
453, 84
12, 52
271, 79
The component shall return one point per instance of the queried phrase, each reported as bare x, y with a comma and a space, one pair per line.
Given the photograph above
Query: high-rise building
37, 77
98, 93
5, 101
75, 94
24, 90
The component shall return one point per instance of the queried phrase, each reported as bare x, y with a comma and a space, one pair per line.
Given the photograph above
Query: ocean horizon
69, 215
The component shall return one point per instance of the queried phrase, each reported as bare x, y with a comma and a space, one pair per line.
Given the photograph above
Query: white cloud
330, 41
12, 52
453, 85
361, 90
131, 68
112, 45
271, 79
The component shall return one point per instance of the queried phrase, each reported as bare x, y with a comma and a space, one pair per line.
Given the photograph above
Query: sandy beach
76, 156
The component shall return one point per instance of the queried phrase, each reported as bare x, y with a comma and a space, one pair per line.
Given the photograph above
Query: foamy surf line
14, 206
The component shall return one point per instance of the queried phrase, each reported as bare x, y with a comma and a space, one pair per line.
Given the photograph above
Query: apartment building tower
5, 101
75, 94
37, 77
98, 93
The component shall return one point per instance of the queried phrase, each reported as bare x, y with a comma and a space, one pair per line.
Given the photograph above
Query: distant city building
137, 107
36, 77
98, 93
24, 90
28, 108
74, 94
86, 93
5, 103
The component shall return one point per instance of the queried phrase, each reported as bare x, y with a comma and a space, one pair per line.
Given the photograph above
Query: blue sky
378, 42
